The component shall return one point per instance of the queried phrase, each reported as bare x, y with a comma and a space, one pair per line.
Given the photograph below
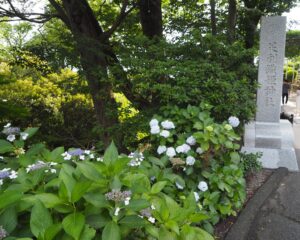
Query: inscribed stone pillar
270, 74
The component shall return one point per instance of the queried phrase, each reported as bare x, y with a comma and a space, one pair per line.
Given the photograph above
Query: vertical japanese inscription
272, 45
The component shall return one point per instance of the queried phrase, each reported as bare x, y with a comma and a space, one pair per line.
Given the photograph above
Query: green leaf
88, 233
52, 231
138, 204
98, 221
8, 219
66, 176
164, 234
89, 171
133, 221
97, 199
73, 225
111, 154
9, 197
55, 155
202, 235
235, 157
198, 217
31, 131
5, 146
172, 225
79, 189
40, 219
111, 231
50, 200
153, 231
157, 187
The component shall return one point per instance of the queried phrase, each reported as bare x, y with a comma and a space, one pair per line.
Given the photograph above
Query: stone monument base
275, 141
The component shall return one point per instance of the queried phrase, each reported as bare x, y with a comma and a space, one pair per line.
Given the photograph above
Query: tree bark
151, 18
231, 20
89, 38
213, 19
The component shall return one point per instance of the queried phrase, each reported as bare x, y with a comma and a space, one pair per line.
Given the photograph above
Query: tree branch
60, 11
123, 13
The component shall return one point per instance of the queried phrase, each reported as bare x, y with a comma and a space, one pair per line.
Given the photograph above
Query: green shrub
290, 74
195, 150
250, 162
79, 195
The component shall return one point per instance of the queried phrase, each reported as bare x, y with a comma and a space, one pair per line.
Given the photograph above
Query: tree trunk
231, 21
213, 20
151, 17
91, 46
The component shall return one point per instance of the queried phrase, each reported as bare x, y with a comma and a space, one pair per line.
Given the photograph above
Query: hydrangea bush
77, 194
198, 155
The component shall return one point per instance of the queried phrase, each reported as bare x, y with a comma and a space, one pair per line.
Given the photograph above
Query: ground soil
253, 182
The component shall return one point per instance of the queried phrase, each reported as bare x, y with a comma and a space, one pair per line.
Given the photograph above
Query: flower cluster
147, 214
7, 173
166, 125
81, 154
233, 121
202, 186
3, 233
119, 196
136, 159
11, 133
40, 165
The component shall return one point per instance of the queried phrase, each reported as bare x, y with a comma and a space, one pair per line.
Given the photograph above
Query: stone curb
240, 229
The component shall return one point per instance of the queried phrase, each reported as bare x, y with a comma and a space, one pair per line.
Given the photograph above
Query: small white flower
91, 156
117, 211
152, 178
171, 152
67, 156
4, 100
1, 157
202, 186
180, 187
52, 170
24, 135
233, 121
87, 152
151, 219
7, 125
11, 138
190, 160
180, 149
196, 196
13, 175
1, 182
155, 130
81, 157
99, 159
152, 207
52, 163
165, 133
184, 148
126, 202
168, 124
153, 122
199, 150
161, 149
191, 140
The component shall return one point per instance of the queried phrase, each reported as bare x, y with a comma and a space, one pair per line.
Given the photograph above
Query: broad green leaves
5, 146
74, 224
111, 231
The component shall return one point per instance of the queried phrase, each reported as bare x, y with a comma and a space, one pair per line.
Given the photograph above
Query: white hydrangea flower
191, 140
179, 149
99, 159
202, 186
7, 125
11, 138
91, 156
153, 122
197, 197
66, 156
126, 202
155, 130
81, 157
168, 124
165, 133
151, 219
117, 211
52, 170
87, 152
24, 135
199, 150
13, 175
180, 187
1, 182
190, 160
1, 157
184, 148
233, 121
161, 149
171, 152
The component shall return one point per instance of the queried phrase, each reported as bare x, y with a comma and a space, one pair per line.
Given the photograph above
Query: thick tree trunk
231, 20
91, 46
251, 22
213, 19
151, 17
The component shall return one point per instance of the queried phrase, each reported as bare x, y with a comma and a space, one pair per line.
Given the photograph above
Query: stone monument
268, 134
